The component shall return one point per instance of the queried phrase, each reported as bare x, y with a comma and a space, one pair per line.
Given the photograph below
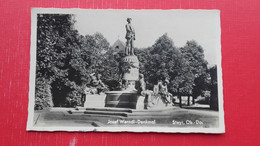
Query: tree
185, 67
194, 55
112, 72
164, 61
55, 36
201, 85
59, 59
160, 59
94, 49
213, 88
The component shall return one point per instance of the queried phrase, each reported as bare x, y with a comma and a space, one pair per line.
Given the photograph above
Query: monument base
127, 98
124, 99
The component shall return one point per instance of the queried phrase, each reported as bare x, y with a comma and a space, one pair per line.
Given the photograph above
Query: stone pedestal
124, 99
133, 73
127, 98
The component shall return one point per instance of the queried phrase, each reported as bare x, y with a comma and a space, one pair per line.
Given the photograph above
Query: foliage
66, 60
154, 60
185, 67
43, 97
201, 84
165, 61
214, 88
194, 54
55, 37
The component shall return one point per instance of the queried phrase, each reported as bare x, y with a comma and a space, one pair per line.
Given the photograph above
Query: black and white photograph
125, 70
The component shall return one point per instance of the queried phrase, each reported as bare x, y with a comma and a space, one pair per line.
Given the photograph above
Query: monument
130, 37
127, 97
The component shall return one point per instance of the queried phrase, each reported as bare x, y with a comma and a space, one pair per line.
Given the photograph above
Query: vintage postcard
126, 70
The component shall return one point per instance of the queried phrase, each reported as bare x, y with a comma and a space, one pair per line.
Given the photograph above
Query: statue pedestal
127, 98
124, 99
133, 73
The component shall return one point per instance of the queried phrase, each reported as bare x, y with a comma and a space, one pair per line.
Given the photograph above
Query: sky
202, 26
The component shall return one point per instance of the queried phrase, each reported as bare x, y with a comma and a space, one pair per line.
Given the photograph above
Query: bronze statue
130, 37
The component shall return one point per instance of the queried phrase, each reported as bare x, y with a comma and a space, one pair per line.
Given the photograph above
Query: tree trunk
188, 101
193, 99
180, 101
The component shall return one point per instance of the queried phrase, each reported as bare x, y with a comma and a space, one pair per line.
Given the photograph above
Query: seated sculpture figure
166, 97
141, 90
96, 86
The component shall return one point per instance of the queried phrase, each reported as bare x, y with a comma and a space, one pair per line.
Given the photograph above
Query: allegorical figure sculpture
130, 37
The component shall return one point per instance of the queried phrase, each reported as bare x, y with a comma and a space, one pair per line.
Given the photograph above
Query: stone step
127, 109
122, 112
93, 112
107, 113
84, 116
105, 109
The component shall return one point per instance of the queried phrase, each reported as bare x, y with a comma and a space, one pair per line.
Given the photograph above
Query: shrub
43, 97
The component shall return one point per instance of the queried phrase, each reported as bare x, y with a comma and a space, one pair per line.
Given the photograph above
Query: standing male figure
130, 37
